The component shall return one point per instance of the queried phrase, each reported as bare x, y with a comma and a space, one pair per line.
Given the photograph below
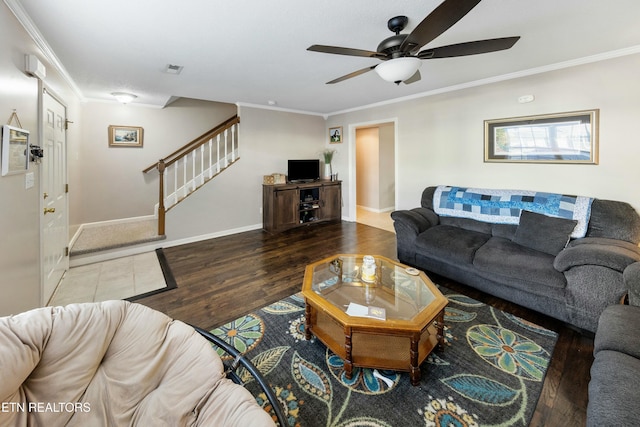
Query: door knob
49, 210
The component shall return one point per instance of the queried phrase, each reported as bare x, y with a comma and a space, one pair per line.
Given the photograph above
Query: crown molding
16, 8
281, 109
510, 76
21, 15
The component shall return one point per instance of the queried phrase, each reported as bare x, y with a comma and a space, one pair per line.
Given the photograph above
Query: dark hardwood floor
221, 279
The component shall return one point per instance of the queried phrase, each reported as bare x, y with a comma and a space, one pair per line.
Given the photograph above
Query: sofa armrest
614, 254
408, 225
631, 277
617, 330
415, 220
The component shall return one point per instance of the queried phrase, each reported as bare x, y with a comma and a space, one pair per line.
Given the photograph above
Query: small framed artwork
551, 138
125, 136
335, 135
15, 150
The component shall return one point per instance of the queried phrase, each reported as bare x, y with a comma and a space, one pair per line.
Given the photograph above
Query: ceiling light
124, 97
398, 69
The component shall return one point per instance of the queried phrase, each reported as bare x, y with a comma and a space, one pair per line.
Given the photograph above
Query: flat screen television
303, 170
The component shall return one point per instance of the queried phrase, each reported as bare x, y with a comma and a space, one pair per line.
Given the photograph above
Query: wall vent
173, 69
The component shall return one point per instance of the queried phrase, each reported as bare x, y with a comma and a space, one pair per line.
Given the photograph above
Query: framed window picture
335, 135
125, 136
15, 150
552, 138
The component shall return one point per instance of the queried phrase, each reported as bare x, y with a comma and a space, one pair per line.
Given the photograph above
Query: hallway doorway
375, 173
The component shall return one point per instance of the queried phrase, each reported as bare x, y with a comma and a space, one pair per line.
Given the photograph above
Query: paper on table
358, 310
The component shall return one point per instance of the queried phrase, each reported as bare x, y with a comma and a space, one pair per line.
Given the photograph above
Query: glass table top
396, 292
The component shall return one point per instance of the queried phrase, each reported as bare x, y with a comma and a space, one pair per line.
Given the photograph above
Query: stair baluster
190, 157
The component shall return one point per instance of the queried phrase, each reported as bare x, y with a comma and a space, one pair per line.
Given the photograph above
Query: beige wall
439, 141
114, 186
233, 200
440, 138
20, 286
108, 182
387, 167
368, 168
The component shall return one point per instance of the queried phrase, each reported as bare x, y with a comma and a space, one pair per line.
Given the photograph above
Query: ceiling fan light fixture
124, 97
398, 69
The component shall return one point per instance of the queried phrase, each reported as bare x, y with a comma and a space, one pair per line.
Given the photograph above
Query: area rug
490, 372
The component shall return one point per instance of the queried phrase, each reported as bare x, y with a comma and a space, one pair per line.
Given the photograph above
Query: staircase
187, 169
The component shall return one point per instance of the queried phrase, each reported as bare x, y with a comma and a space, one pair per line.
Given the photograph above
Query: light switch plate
29, 180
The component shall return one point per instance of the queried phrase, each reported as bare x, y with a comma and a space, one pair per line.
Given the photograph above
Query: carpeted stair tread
113, 236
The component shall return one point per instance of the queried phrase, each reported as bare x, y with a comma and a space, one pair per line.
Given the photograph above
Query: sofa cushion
543, 233
450, 244
613, 390
467, 224
427, 197
613, 330
508, 231
614, 220
518, 266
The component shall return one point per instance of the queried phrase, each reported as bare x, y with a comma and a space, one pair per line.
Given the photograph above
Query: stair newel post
161, 209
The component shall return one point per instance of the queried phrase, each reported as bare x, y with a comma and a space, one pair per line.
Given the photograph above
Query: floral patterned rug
490, 372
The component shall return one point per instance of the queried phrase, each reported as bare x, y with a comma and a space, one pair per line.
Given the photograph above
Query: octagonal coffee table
393, 321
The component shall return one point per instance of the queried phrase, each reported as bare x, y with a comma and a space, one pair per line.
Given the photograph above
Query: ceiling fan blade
469, 48
415, 78
437, 22
345, 51
350, 75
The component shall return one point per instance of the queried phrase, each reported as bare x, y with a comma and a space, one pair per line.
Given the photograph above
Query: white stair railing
190, 167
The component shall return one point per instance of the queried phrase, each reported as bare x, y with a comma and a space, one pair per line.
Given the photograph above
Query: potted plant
327, 154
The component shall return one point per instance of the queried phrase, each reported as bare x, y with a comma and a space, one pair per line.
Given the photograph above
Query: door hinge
66, 188
66, 251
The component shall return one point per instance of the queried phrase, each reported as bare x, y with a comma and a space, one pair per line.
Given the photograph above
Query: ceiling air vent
173, 69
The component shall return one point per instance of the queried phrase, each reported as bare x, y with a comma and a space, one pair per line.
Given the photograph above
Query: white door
53, 182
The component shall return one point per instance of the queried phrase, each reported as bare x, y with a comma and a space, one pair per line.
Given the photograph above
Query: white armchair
115, 363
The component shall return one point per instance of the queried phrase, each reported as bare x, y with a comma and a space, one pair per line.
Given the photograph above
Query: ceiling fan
401, 54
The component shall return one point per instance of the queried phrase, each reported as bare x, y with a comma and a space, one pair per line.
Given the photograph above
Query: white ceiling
254, 51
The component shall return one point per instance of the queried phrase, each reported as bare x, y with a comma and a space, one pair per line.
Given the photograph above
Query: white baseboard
368, 209
169, 243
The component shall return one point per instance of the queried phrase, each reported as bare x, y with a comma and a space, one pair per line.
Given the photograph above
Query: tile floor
379, 220
115, 279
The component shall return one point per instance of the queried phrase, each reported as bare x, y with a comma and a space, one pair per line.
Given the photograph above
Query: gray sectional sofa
534, 262
615, 373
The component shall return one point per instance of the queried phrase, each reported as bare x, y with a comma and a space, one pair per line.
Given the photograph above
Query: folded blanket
504, 206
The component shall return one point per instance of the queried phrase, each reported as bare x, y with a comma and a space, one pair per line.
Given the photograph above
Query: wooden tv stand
291, 205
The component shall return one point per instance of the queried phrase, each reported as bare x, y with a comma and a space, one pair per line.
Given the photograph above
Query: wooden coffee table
408, 306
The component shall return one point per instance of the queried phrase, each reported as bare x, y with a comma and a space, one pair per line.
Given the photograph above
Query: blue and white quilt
504, 206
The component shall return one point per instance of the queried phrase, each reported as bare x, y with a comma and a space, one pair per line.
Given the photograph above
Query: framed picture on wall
335, 135
125, 136
15, 150
551, 138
